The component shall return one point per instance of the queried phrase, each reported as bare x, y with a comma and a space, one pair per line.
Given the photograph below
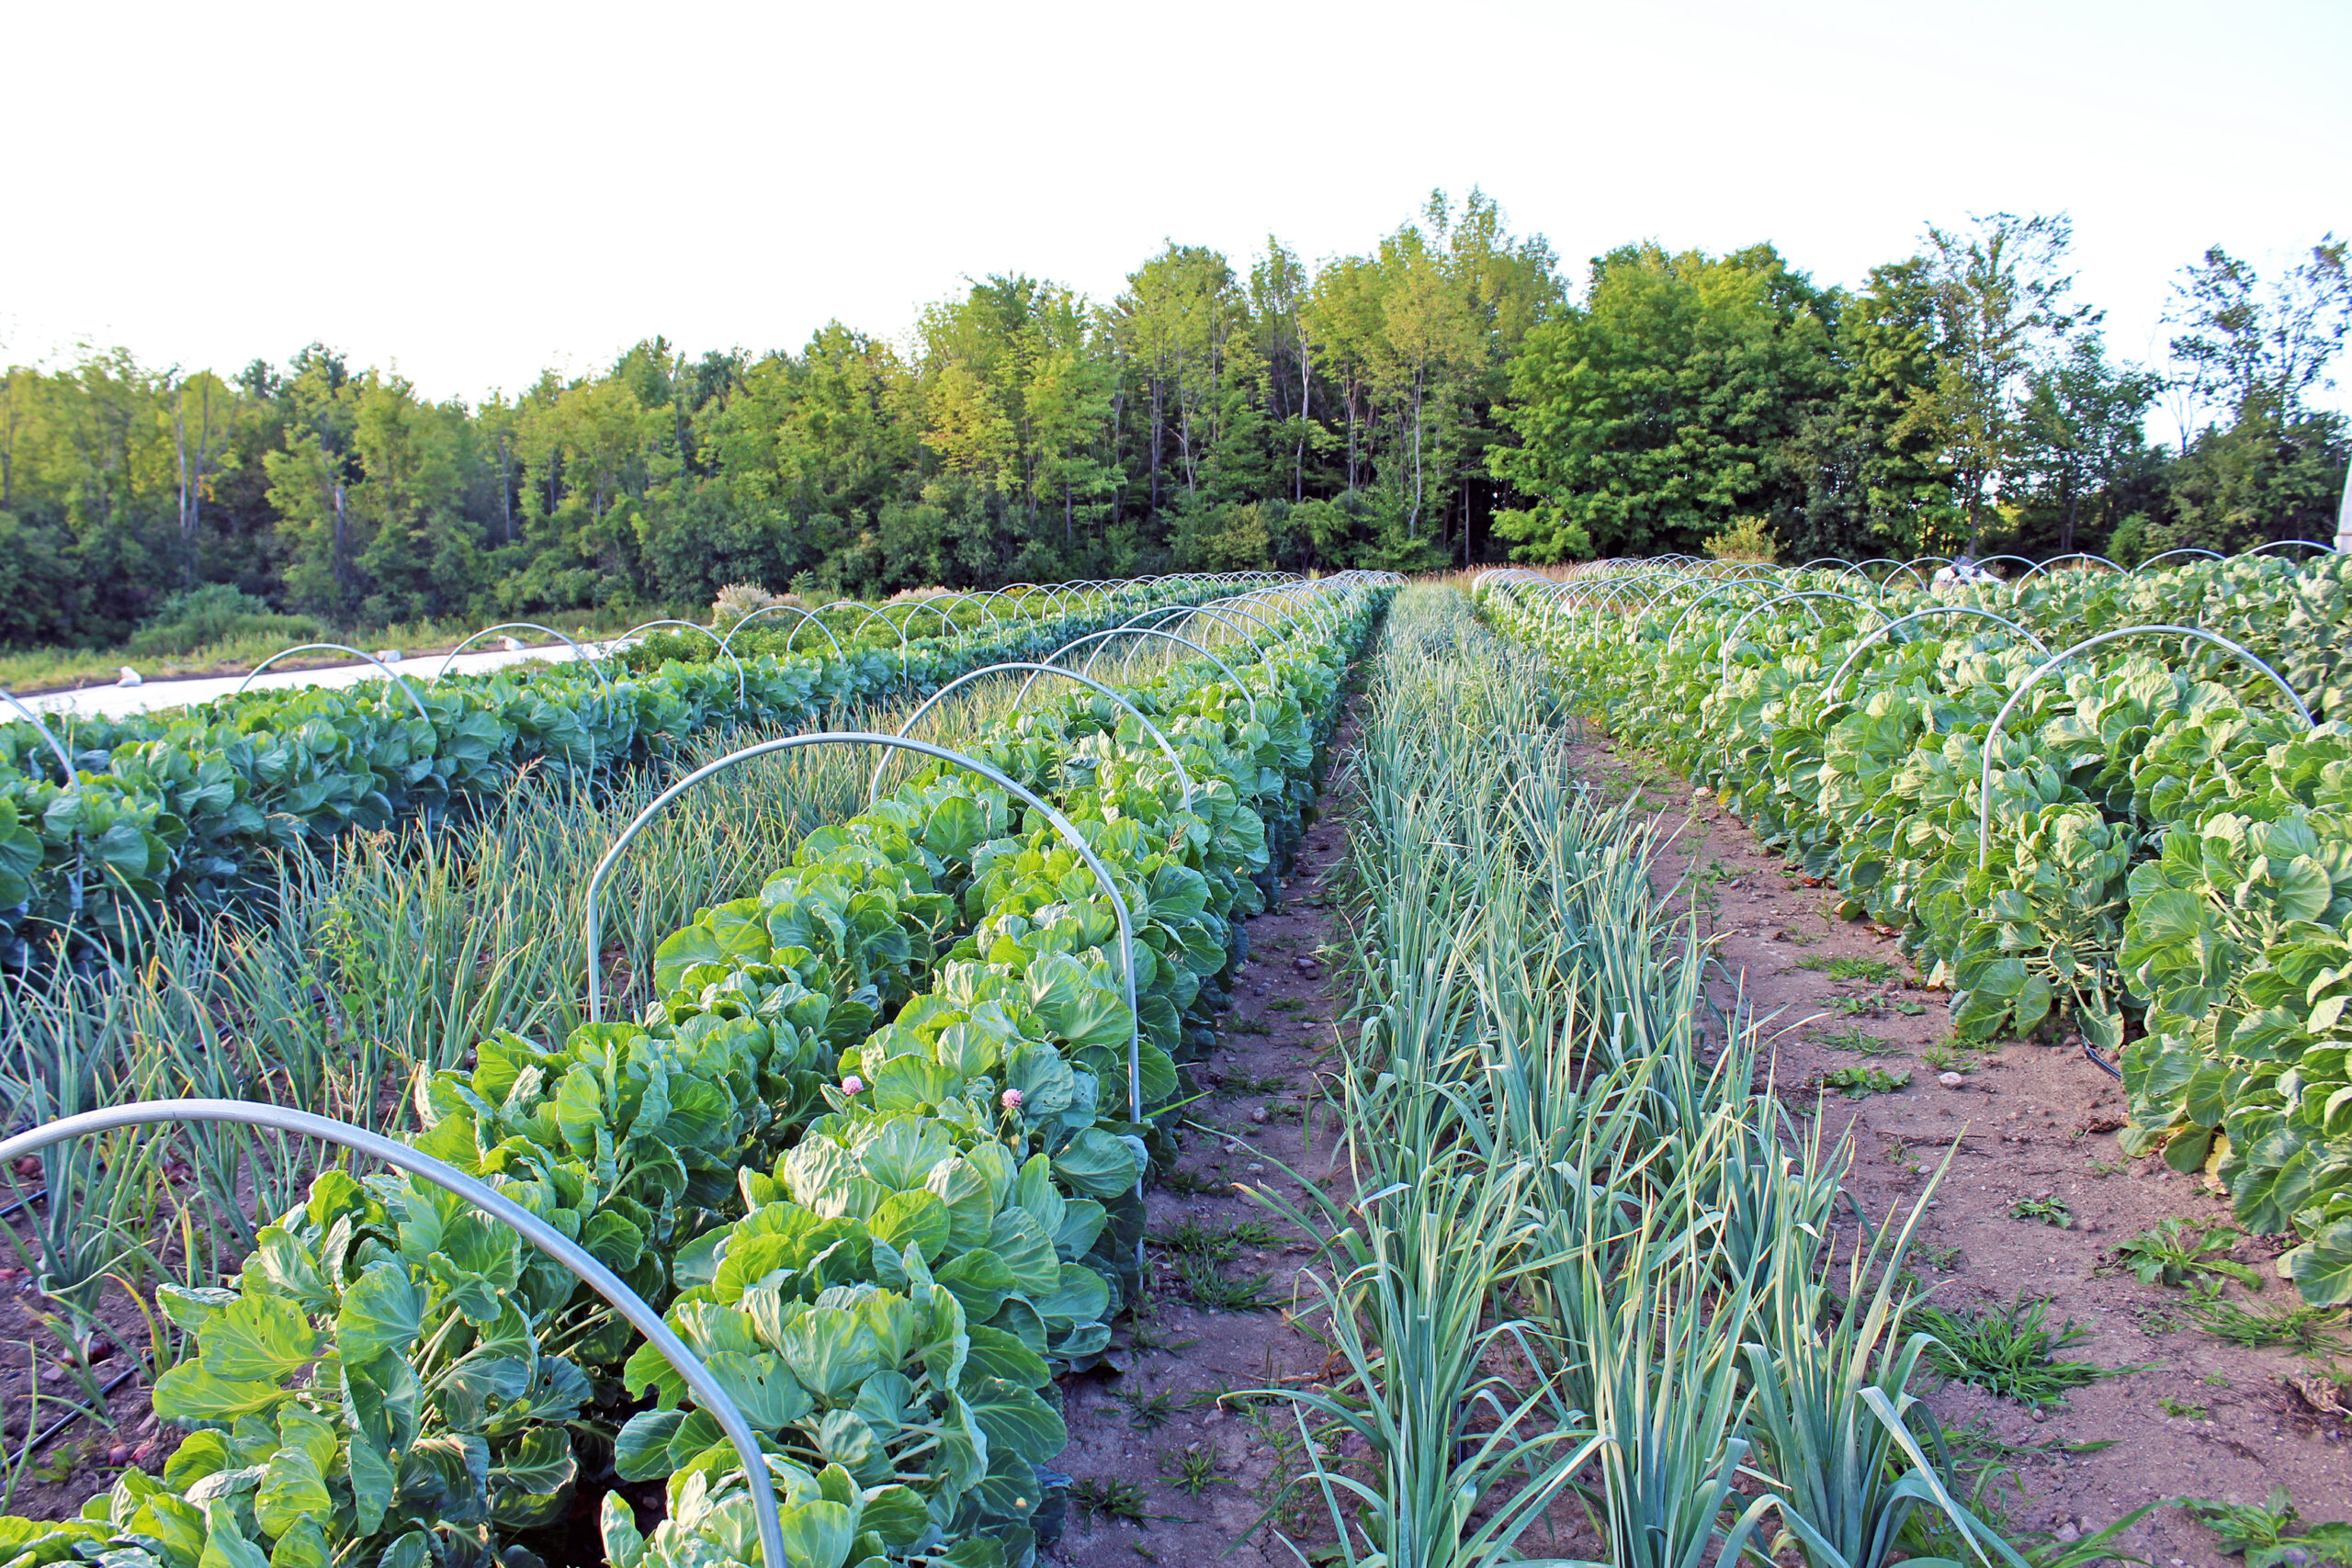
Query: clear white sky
477, 190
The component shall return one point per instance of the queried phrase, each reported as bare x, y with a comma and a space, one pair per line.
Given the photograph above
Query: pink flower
854, 1084
1012, 1099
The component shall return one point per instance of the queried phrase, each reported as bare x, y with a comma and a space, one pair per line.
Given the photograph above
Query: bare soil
79, 1457
2034, 1125
1174, 1404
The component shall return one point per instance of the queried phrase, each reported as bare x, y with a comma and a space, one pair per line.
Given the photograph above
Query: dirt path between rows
1164, 1470
2036, 1128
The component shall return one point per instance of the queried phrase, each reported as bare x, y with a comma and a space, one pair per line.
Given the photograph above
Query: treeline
1441, 398
1961, 398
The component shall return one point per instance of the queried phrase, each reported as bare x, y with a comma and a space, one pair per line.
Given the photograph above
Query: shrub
214, 613
1748, 539
738, 600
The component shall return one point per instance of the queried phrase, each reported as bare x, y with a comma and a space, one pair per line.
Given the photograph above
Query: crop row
176, 811
2168, 869
867, 1144
1580, 1254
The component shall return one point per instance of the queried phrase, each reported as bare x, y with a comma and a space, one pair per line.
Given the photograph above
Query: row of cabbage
883, 1238
2169, 865
180, 809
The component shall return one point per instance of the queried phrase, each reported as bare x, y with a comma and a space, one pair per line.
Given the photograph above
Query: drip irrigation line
20, 1204
105, 1390
2102, 1063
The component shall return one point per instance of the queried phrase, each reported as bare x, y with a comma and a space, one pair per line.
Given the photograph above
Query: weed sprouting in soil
1874, 971
2299, 1326
1103, 1498
1220, 1291
1854, 1083
2176, 1252
2042, 1211
1192, 1469
2010, 1352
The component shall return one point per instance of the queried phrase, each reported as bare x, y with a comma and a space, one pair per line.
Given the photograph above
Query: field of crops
869, 1132
889, 1094
180, 810
2155, 858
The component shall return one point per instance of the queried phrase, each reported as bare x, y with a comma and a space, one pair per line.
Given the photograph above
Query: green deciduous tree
1650, 415
2001, 304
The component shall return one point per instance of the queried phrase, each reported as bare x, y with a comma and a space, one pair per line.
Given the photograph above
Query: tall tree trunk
1157, 424
1305, 393
342, 538
1413, 518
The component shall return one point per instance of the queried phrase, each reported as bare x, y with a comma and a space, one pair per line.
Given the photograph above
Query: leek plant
1576, 1209
1852, 1454
1460, 1461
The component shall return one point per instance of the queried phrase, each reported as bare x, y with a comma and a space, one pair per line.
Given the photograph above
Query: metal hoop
72, 782
1275, 601
1829, 692
961, 598
947, 621
2184, 550
1691, 607
449, 1178
1239, 605
1788, 598
1984, 779
2077, 555
874, 785
336, 647
64, 757
578, 653
1880, 583
777, 609
1310, 597
1189, 611
1061, 824
2283, 544
1146, 631
875, 614
694, 626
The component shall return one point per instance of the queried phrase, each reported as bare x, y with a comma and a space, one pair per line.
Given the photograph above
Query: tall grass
1578, 1255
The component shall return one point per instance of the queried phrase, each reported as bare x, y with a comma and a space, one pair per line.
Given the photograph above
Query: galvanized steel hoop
1829, 690
70, 782
631, 1306
580, 654
1146, 631
727, 641
1184, 779
1724, 586
1801, 596
2072, 555
692, 626
389, 673
2182, 551
1190, 611
1984, 778
594, 928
